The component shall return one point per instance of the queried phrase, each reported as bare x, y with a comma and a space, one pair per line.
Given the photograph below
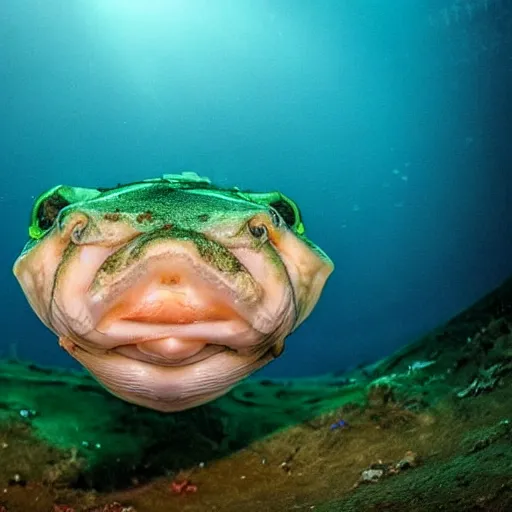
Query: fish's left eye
258, 231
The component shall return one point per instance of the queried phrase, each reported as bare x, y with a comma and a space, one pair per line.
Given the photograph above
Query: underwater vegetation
428, 428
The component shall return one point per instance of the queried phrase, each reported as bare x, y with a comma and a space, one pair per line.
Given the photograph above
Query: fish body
170, 290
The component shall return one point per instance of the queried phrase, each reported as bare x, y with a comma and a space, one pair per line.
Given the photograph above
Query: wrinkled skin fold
170, 291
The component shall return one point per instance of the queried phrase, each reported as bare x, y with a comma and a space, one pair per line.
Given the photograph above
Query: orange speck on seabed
182, 487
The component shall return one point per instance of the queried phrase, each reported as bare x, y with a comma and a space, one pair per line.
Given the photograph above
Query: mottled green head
170, 290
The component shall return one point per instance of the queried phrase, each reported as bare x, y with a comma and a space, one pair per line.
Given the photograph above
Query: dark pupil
258, 231
286, 212
49, 209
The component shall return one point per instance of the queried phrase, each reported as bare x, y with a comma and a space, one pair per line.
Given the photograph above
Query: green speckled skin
151, 206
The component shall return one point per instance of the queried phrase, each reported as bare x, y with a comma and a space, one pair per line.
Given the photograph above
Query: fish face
169, 291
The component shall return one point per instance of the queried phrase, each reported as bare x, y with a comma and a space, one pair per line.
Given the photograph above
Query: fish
169, 291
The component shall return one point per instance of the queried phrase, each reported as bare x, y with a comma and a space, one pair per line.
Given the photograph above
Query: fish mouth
167, 388
169, 301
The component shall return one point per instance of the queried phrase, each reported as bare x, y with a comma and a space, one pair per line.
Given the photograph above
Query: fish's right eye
47, 206
289, 212
45, 211
286, 211
49, 210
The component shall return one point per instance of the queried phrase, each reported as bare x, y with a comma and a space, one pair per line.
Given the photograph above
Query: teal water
388, 122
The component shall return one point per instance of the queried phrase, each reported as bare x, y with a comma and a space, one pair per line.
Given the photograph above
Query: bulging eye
289, 212
258, 230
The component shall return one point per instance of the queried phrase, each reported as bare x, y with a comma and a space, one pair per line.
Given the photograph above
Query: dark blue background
388, 121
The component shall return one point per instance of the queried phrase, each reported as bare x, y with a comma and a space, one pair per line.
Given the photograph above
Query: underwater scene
258, 255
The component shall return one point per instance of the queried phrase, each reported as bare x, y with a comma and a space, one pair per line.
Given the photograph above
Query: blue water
388, 122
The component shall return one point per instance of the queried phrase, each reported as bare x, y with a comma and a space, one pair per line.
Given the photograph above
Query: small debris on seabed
419, 365
27, 413
17, 480
490, 435
182, 487
371, 475
63, 508
339, 424
113, 507
380, 470
486, 381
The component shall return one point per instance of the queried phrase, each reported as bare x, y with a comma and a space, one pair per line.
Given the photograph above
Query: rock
371, 475
410, 460
377, 471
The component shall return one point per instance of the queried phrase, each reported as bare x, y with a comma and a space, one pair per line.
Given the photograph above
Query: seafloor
427, 429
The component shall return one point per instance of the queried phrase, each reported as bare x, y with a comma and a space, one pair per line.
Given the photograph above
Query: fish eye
258, 231
287, 209
48, 206
289, 212
45, 211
